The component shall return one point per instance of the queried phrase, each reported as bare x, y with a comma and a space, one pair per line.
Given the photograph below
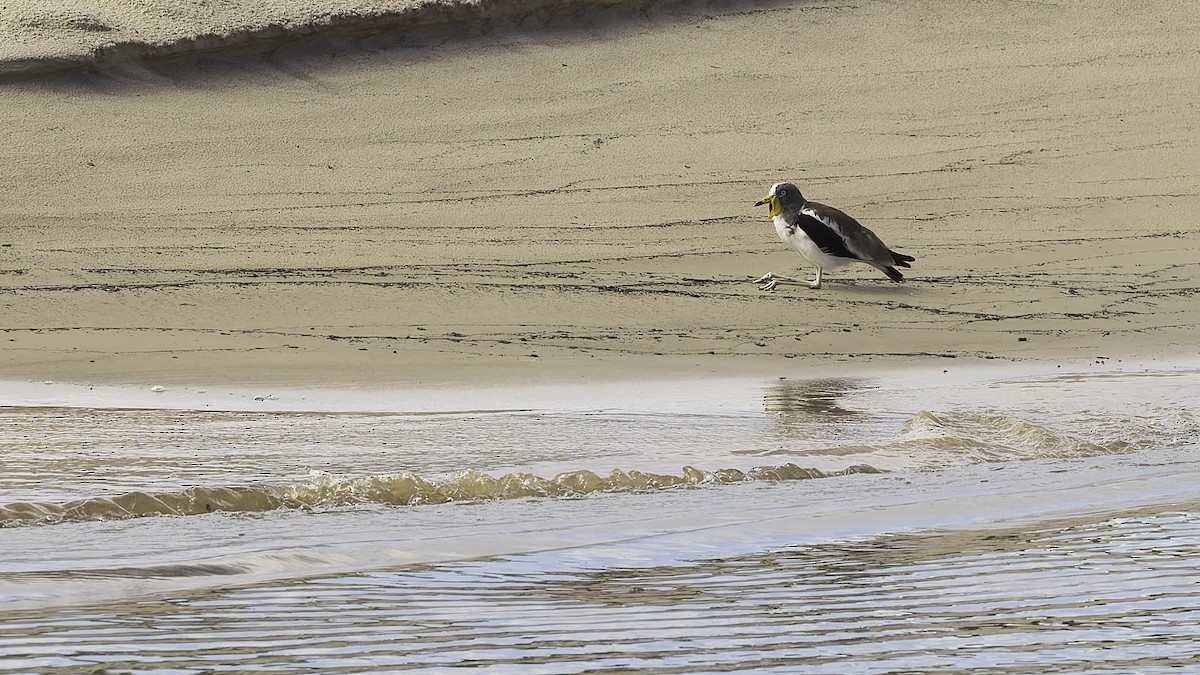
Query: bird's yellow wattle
773, 206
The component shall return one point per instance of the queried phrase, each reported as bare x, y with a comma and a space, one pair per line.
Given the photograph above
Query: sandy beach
575, 200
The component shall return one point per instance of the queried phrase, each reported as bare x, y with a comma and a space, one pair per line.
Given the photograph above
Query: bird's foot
768, 281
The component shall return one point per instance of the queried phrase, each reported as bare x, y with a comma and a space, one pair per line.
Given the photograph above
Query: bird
826, 237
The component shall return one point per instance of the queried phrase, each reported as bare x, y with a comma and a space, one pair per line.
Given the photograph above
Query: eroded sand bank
577, 201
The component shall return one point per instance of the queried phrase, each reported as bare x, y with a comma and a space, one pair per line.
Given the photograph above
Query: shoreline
498, 396
317, 370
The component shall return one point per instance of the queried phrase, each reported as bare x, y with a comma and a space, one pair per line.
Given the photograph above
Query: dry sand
575, 201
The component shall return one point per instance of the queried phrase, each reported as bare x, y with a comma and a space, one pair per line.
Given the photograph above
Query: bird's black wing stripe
825, 238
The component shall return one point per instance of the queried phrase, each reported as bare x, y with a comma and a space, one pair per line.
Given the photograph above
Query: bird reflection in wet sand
807, 417
810, 401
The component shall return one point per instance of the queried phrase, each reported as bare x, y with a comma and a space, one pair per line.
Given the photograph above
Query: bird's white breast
805, 246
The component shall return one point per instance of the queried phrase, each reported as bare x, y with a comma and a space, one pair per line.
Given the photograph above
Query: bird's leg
770, 280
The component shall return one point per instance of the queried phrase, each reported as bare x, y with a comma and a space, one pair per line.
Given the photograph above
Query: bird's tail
894, 274
901, 260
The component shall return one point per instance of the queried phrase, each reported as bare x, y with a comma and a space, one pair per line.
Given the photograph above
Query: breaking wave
403, 489
925, 441
971, 438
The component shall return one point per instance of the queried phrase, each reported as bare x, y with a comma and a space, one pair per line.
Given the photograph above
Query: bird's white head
780, 196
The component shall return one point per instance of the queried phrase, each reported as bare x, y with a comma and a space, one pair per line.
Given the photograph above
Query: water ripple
1115, 594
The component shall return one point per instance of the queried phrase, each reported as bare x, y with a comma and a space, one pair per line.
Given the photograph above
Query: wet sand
575, 201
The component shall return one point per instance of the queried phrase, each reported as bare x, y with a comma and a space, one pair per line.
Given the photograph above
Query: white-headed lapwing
826, 237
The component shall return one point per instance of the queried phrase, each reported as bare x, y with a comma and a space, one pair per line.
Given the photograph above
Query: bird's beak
773, 202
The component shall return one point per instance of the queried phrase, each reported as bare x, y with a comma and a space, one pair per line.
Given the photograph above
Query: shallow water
975, 521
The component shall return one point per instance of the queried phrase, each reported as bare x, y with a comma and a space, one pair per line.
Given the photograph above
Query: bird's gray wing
860, 241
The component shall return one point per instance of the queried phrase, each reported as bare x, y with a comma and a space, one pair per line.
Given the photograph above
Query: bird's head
782, 197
